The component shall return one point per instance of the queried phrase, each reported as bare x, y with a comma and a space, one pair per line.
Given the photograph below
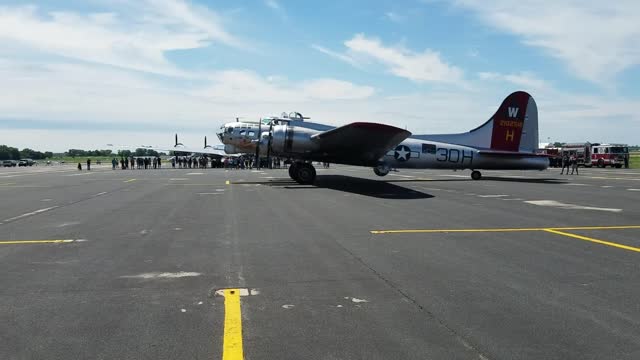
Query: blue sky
88, 73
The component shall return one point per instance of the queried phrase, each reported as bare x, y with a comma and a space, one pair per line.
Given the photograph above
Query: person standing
574, 165
565, 163
88, 164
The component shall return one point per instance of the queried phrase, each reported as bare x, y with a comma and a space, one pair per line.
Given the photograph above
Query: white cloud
336, 55
235, 86
277, 8
273, 4
395, 17
426, 66
136, 37
526, 80
596, 39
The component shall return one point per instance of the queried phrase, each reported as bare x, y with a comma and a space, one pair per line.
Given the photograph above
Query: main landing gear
302, 173
476, 175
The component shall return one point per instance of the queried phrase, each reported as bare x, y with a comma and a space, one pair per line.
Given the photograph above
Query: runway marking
608, 243
30, 213
99, 194
516, 199
404, 176
554, 230
417, 231
178, 179
232, 343
560, 205
209, 193
633, 189
28, 242
227, 182
606, 186
130, 180
492, 196
575, 184
195, 173
164, 275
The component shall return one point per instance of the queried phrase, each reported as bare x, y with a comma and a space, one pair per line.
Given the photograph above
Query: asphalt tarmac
215, 264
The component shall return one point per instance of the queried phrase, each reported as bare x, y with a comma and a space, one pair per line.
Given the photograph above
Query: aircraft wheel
476, 175
305, 174
381, 170
293, 171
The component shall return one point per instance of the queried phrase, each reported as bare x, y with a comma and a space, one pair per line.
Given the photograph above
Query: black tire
600, 163
305, 174
476, 175
293, 171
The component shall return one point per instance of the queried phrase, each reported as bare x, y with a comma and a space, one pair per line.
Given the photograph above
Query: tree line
11, 153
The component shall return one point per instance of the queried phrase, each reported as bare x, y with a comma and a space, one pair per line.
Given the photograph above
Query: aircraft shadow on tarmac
484, 178
361, 186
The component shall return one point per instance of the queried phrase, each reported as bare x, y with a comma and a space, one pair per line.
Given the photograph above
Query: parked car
26, 162
9, 163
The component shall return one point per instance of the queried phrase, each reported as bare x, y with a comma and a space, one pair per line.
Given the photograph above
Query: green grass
634, 161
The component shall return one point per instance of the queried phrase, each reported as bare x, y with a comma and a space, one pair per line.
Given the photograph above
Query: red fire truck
610, 155
582, 152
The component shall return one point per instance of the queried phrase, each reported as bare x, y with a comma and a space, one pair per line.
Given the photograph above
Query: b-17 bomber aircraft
507, 141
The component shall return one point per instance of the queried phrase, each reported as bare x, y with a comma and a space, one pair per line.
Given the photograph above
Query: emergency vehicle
581, 151
610, 155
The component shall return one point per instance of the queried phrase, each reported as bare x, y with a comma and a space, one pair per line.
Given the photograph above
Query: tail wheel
476, 175
305, 174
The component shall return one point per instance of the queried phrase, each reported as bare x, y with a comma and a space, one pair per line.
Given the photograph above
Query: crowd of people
193, 162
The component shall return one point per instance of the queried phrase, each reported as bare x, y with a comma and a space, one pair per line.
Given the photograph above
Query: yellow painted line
26, 242
130, 180
608, 243
416, 231
232, 346
227, 182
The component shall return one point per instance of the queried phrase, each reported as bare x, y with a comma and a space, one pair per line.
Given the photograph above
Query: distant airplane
507, 141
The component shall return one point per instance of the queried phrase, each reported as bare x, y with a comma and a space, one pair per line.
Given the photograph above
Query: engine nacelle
230, 149
292, 140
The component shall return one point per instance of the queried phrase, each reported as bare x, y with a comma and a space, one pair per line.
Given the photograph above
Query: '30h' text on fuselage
507, 141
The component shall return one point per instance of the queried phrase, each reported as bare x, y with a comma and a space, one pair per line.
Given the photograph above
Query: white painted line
215, 193
242, 291
492, 196
516, 199
557, 204
457, 176
404, 176
178, 179
606, 186
633, 189
45, 200
195, 173
30, 213
99, 194
287, 306
575, 184
164, 275
356, 300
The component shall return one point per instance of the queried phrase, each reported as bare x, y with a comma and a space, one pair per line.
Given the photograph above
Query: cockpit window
242, 132
229, 129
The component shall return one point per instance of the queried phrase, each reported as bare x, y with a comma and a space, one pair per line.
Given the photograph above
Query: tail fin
514, 127
515, 124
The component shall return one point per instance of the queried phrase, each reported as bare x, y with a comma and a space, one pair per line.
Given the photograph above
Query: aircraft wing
510, 153
184, 149
360, 143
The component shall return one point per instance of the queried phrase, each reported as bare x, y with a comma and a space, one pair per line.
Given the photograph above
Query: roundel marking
402, 153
